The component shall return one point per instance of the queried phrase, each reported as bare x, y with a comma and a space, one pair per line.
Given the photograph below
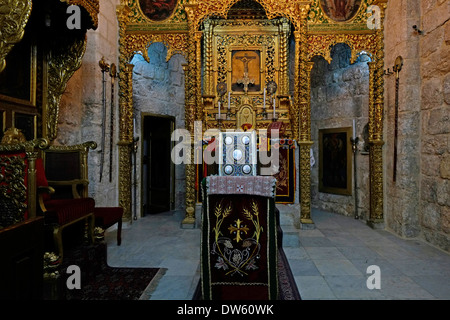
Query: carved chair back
18, 177
66, 169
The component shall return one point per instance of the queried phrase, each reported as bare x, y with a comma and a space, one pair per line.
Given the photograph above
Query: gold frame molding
31, 101
348, 152
314, 34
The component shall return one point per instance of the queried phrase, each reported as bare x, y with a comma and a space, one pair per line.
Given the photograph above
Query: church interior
314, 132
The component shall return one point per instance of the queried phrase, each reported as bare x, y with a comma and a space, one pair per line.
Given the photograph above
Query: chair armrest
41, 190
74, 183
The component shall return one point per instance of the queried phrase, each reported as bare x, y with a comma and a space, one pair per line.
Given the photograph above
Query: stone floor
329, 262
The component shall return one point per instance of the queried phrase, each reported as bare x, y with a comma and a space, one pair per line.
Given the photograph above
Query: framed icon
335, 161
158, 10
340, 10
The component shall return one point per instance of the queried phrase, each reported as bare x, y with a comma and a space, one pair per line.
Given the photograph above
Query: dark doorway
157, 166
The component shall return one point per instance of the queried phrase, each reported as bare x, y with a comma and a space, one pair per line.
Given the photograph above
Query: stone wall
80, 116
418, 202
402, 202
158, 89
339, 94
434, 57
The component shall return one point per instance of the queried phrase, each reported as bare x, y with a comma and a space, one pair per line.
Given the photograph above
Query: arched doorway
339, 99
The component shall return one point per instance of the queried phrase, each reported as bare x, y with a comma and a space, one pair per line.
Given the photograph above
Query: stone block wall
339, 95
401, 200
158, 89
417, 204
434, 57
80, 113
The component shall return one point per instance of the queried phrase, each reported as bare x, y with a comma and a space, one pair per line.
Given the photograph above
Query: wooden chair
62, 178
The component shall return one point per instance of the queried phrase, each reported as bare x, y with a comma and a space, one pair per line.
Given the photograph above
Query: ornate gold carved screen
246, 57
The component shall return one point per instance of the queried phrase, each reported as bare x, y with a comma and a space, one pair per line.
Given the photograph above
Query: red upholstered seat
106, 217
62, 181
63, 211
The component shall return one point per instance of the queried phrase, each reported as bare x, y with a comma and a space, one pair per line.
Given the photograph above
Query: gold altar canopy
245, 45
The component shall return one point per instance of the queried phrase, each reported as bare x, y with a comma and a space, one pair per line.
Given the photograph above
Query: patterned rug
102, 282
287, 289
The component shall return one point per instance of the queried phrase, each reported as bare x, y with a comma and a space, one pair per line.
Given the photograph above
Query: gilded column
125, 144
207, 56
294, 112
304, 140
305, 144
198, 76
191, 101
376, 111
125, 138
31, 188
284, 56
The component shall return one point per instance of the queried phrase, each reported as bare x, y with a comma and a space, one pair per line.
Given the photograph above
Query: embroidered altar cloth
239, 238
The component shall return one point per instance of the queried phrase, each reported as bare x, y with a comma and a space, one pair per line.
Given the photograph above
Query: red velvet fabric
107, 216
41, 178
63, 211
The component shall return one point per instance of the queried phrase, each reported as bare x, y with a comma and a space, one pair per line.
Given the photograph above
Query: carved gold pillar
125, 144
198, 76
294, 112
191, 100
14, 16
305, 144
31, 188
376, 110
207, 43
125, 137
284, 57
304, 141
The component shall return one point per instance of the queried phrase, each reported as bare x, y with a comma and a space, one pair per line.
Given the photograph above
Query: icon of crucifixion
246, 81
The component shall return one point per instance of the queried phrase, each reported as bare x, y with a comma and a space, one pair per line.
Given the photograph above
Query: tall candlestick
264, 98
274, 108
229, 98
354, 129
219, 109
